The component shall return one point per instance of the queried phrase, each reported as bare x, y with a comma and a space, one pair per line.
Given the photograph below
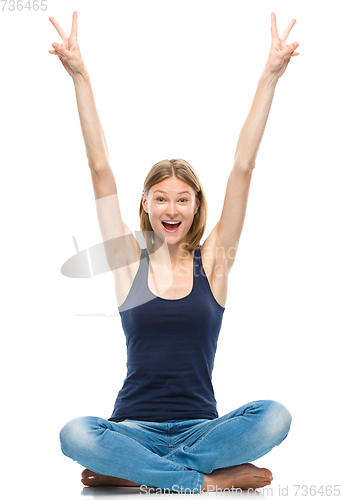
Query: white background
171, 79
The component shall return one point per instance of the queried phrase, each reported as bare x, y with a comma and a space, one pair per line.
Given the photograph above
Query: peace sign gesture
69, 52
280, 53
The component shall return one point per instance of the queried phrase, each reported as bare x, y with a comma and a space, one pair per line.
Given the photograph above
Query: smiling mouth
171, 228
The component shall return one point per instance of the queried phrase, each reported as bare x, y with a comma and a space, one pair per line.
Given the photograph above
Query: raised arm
70, 55
119, 251
254, 126
224, 239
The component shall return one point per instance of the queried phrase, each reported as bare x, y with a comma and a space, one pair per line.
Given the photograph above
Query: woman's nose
172, 211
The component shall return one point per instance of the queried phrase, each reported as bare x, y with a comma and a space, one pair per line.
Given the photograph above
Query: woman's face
171, 200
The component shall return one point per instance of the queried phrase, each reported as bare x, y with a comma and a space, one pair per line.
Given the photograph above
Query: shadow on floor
97, 491
108, 491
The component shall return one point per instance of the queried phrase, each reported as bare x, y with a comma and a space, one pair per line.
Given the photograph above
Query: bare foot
242, 476
90, 478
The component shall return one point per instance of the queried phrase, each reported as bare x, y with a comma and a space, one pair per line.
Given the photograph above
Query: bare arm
227, 232
254, 126
112, 226
253, 129
93, 134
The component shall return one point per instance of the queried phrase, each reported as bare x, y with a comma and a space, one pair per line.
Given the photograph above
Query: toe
264, 482
86, 473
267, 473
89, 481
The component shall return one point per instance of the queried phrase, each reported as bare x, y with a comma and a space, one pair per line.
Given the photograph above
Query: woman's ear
144, 202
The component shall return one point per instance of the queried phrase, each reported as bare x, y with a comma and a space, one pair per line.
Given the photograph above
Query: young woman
165, 431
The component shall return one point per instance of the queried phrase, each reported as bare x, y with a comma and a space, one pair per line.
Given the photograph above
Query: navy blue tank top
171, 346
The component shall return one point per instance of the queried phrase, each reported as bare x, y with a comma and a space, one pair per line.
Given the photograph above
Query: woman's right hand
69, 52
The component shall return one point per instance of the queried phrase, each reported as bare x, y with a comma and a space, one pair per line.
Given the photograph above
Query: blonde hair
184, 171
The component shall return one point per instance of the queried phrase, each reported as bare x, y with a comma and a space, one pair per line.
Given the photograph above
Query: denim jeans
175, 454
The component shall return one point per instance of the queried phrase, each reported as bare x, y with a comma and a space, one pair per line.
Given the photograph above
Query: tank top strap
139, 292
197, 263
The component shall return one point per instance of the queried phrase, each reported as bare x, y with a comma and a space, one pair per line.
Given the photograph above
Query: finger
289, 49
54, 53
288, 29
58, 28
74, 25
274, 30
62, 50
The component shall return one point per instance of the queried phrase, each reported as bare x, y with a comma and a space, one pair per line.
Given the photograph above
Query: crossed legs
217, 454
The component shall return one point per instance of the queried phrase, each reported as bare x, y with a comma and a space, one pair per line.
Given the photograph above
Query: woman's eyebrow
162, 191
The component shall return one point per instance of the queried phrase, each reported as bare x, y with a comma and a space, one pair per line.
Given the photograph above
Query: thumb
290, 49
62, 50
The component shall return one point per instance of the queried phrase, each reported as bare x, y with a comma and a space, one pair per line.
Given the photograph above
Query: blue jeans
175, 454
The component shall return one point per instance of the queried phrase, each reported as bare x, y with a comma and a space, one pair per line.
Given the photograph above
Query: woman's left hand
280, 53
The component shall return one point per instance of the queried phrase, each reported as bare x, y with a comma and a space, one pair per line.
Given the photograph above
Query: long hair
185, 172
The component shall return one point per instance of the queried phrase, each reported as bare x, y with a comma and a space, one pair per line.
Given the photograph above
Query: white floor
62, 481
274, 491
291, 481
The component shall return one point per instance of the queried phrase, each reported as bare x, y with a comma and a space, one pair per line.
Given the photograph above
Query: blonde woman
165, 431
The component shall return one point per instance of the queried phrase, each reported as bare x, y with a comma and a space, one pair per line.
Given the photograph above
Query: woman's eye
163, 198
